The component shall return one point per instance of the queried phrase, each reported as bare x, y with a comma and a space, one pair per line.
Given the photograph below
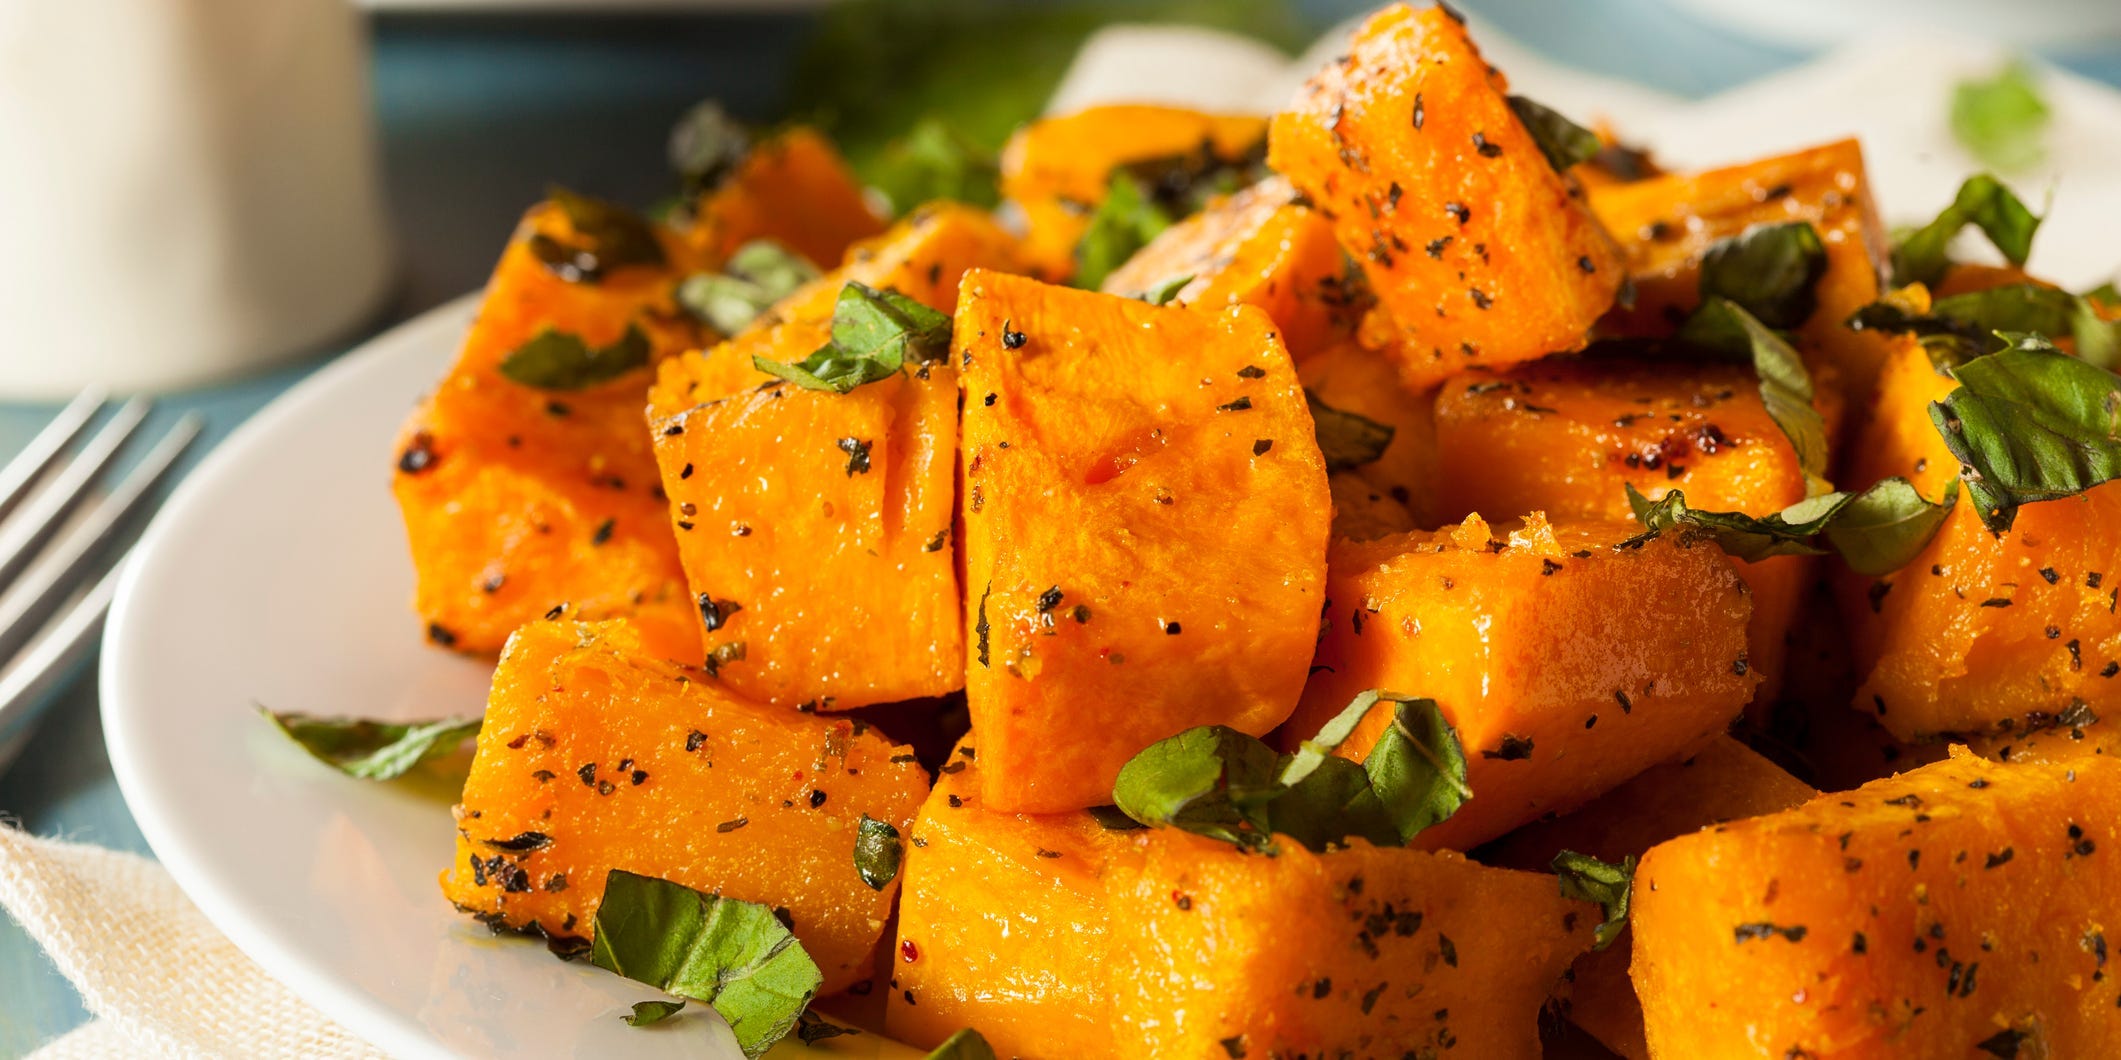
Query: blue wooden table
478, 114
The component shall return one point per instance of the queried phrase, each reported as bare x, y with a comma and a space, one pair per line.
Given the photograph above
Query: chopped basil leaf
812, 1028
1226, 785
2106, 294
1723, 326
373, 750
707, 144
1788, 532
1564, 142
964, 1045
1886, 526
759, 274
559, 360
1209, 780
1770, 271
1114, 819
877, 852
649, 1013
1164, 292
1346, 439
935, 161
1184, 184
1877, 531
1982, 201
1418, 768
2001, 119
2098, 339
874, 334
1959, 328
608, 237
2030, 424
1123, 224
1588, 879
736, 956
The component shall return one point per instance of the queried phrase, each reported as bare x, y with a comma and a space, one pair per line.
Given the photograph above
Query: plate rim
359, 1015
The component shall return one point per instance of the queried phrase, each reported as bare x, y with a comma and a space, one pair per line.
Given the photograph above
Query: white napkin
159, 979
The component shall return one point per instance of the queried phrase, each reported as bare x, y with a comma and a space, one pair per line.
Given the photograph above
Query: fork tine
26, 605
27, 465
51, 659
20, 541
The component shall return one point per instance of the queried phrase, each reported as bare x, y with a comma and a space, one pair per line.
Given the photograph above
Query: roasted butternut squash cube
793, 188
1001, 925
921, 257
1568, 658
1350, 378
1567, 437
518, 498
1478, 250
1724, 782
1981, 630
1958, 909
1260, 247
815, 532
1666, 223
1145, 518
1058, 170
596, 757
1363, 951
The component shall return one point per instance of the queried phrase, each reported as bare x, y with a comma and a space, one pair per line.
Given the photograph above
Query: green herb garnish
812, 1028
1123, 224
735, 956
1770, 271
1346, 439
1164, 292
706, 145
1588, 879
1961, 327
2001, 119
759, 274
1722, 326
964, 1045
1565, 143
2030, 424
874, 334
1876, 532
1982, 201
1224, 784
373, 750
650, 1013
559, 360
607, 237
934, 161
877, 852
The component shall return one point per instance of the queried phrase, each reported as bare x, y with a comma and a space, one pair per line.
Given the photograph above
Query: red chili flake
908, 951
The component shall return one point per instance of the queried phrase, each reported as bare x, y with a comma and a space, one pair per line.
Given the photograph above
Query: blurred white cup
188, 189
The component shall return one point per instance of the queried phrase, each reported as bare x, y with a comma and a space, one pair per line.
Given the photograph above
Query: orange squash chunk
1567, 663
1980, 631
517, 499
1567, 437
1260, 247
815, 533
1057, 170
794, 189
1364, 951
1350, 378
596, 757
1724, 782
1145, 519
1001, 926
921, 257
1959, 909
1478, 250
1666, 223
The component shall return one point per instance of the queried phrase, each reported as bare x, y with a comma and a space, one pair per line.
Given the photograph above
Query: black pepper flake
1081, 614
1260, 447
857, 452
603, 532
556, 883
588, 773
1459, 211
716, 613
557, 408
981, 627
1420, 112
956, 802
441, 635
1859, 944
817, 799
1996, 601
1485, 147
543, 775
1739, 666
1762, 929
1240, 405
1435, 247
731, 826
685, 472
1627, 706
605, 787
2049, 574
1049, 599
1513, 748
2004, 1043
1235, 1047
1448, 948
1012, 339
1547, 567
1171, 629
521, 843
418, 456
1586, 265
638, 776
694, 739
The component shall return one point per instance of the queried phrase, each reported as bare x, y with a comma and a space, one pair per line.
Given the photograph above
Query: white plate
278, 575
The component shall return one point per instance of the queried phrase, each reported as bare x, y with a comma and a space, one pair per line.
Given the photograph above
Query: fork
58, 546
